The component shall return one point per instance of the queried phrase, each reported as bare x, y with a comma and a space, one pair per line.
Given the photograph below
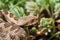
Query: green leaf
57, 7
52, 2
45, 22
56, 15
1, 4
42, 2
20, 2
33, 30
16, 10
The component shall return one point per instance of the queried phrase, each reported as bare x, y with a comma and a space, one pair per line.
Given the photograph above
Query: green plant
58, 33
22, 8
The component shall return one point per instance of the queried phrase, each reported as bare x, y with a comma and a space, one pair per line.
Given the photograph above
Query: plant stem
20, 2
39, 15
27, 30
53, 19
52, 12
58, 33
48, 11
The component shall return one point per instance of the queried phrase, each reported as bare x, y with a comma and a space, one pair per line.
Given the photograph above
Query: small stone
46, 33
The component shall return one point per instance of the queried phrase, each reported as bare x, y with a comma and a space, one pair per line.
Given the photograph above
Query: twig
58, 33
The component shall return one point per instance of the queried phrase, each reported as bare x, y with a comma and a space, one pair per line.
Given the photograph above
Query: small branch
58, 33
48, 11
27, 31
39, 15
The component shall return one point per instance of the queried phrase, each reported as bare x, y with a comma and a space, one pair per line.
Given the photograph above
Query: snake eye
15, 18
